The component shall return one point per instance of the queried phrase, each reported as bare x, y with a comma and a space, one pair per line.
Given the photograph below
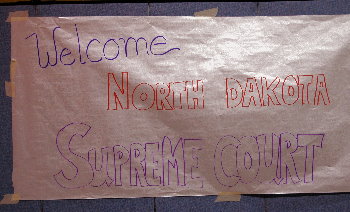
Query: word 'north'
161, 96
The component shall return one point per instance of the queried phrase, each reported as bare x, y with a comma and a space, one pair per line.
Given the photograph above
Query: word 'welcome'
106, 50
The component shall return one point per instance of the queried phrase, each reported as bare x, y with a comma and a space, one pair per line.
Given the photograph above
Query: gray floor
307, 202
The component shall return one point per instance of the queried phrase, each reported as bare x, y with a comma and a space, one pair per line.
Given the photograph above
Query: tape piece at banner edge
20, 15
10, 199
10, 85
207, 13
17, 16
228, 197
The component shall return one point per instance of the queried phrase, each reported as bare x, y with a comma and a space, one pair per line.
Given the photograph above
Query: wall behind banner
300, 202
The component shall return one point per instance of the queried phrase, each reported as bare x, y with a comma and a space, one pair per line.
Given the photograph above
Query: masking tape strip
10, 199
207, 13
228, 197
17, 16
10, 86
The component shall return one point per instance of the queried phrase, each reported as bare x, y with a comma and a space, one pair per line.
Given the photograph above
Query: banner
115, 107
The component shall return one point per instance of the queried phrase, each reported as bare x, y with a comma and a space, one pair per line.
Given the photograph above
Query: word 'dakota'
305, 89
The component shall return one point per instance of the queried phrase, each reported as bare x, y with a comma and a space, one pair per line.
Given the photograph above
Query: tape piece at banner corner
10, 199
10, 85
18, 16
207, 13
228, 197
